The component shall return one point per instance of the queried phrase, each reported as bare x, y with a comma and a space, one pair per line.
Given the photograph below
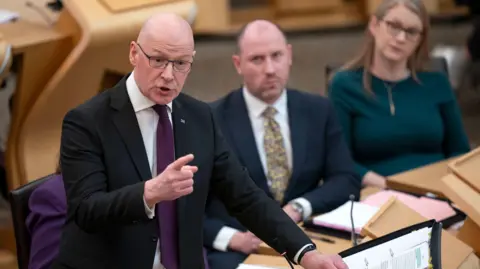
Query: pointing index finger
180, 162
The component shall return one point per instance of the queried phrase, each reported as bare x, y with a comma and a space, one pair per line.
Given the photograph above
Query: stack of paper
339, 219
7, 16
427, 207
410, 251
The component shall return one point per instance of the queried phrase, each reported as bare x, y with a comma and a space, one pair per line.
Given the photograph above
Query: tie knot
161, 110
269, 112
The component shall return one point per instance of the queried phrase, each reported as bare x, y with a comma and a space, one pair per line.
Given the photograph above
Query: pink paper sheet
427, 207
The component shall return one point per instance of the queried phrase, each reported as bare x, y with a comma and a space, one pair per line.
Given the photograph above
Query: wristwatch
305, 250
298, 208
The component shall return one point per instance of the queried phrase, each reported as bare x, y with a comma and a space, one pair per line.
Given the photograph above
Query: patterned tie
166, 211
277, 162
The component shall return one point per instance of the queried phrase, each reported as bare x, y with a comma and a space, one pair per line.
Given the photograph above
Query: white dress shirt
255, 109
147, 121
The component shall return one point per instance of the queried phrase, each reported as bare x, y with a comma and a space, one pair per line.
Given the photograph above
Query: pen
320, 238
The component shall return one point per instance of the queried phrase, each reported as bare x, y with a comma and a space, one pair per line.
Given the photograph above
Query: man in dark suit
130, 203
48, 210
307, 168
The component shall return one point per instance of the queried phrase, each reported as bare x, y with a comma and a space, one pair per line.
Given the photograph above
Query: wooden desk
337, 246
23, 34
31, 14
330, 248
38, 51
422, 180
268, 261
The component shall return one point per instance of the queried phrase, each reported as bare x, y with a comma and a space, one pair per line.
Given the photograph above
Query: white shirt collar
138, 100
256, 106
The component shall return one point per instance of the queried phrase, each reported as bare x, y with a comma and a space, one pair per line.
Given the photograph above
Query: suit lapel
298, 121
127, 125
182, 148
240, 129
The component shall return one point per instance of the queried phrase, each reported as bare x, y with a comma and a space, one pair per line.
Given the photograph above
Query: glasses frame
394, 29
153, 59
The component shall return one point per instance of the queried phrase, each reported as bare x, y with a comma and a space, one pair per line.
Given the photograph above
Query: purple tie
166, 211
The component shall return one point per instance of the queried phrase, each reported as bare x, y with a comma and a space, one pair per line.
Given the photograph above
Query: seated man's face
264, 62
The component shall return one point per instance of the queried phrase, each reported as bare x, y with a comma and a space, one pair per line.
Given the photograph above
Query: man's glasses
160, 63
395, 29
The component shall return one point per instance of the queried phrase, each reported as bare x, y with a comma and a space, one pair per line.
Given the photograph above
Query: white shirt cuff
149, 211
295, 259
223, 238
306, 205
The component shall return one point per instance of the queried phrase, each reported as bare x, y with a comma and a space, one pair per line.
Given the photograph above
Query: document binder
433, 242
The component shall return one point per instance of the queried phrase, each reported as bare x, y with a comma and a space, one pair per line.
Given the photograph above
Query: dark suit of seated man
290, 142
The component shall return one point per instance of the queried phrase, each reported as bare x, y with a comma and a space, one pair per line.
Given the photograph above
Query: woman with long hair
396, 115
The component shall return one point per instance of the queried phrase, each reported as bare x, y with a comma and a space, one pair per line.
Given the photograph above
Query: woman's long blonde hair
416, 61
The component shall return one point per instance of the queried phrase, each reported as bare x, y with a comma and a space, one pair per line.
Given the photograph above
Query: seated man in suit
289, 141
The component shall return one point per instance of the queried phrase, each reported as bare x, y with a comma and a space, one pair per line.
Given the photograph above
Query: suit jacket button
135, 222
154, 239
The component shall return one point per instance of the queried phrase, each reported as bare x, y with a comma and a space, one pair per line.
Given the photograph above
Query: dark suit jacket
105, 167
318, 148
48, 210
48, 207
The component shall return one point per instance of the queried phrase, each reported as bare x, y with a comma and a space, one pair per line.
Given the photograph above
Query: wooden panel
306, 5
463, 196
116, 6
469, 234
347, 16
395, 215
392, 216
432, 6
23, 34
241, 16
466, 168
422, 180
213, 16
269, 261
335, 244
242, 4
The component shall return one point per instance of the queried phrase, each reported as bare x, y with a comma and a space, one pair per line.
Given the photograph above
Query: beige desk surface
30, 14
23, 34
273, 261
338, 244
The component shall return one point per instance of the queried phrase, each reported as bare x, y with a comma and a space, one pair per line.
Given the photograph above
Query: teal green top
425, 126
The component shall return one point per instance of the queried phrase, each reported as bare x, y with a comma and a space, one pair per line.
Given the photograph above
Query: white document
416, 258
399, 253
339, 218
7, 16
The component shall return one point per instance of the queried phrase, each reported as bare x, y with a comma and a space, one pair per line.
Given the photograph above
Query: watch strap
309, 248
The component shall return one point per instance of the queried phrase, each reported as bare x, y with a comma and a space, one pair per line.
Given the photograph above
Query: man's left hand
294, 215
316, 260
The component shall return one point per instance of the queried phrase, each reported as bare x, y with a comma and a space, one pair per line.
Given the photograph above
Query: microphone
284, 252
354, 235
55, 5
